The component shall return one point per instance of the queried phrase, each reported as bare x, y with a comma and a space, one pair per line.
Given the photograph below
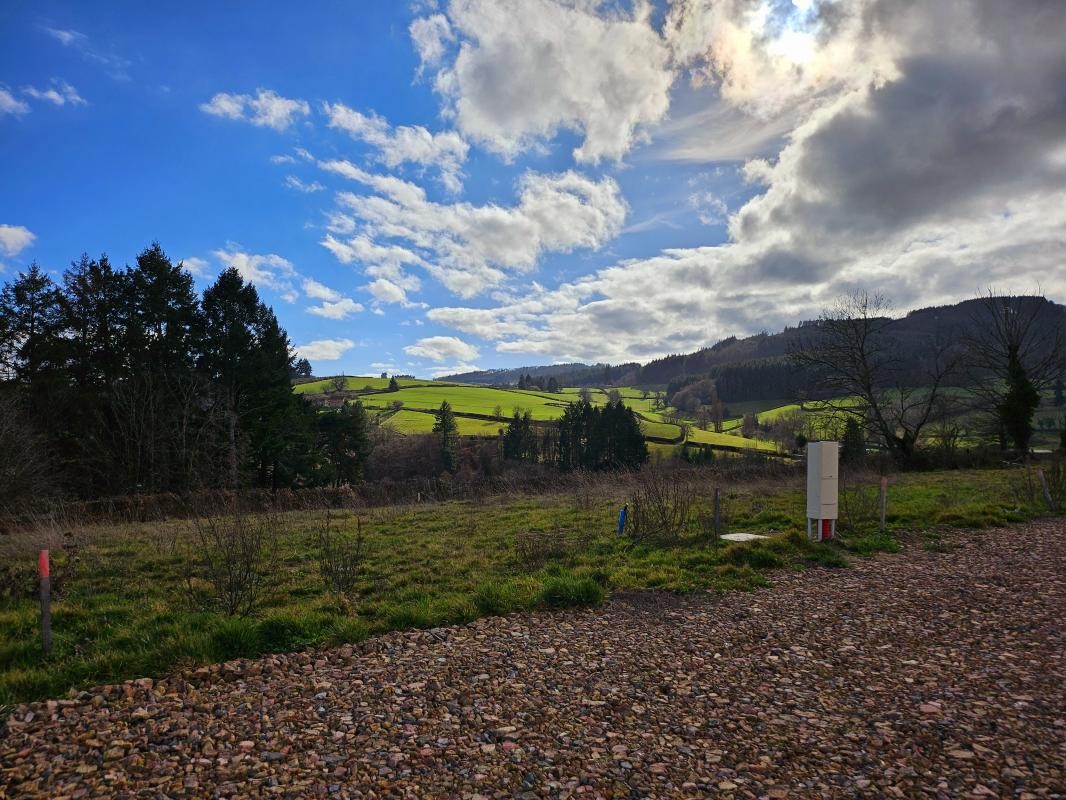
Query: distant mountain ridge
750, 368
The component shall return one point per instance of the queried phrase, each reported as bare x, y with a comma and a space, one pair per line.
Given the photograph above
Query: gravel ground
918, 675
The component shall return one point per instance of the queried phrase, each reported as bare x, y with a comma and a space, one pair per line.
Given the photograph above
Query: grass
406, 421
421, 398
121, 610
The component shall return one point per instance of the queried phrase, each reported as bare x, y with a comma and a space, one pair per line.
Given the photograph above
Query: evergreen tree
302, 368
345, 441
394, 385
520, 438
31, 311
553, 385
1018, 404
163, 319
852, 443
448, 435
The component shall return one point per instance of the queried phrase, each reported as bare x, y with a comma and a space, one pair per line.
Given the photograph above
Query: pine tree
345, 442
448, 435
852, 443
1018, 404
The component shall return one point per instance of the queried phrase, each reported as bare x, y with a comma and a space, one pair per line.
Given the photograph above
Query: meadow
124, 609
485, 410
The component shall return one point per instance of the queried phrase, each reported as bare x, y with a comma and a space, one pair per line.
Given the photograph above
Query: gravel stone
923, 674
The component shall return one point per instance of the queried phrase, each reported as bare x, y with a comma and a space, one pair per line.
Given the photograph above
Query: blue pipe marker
622, 519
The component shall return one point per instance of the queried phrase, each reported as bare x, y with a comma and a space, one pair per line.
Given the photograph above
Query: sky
434, 187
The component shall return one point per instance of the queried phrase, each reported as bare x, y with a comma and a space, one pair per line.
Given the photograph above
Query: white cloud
710, 208
404, 144
526, 69
9, 104
925, 163
196, 266
267, 270
338, 309
307, 188
282, 159
324, 349
14, 239
442, 348
66, 37
334, 305
431, 36
471, 248
319, 291
266, 109
452, 369
60, 93
116, 65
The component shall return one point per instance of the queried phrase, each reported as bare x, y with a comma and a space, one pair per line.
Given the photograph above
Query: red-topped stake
46, 601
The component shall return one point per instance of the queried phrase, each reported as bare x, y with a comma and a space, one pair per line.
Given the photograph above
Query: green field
712, 438
122, 609
419, 422
355, 384
470, 400
420, 399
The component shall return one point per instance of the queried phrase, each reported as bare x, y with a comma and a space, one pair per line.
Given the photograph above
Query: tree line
123, 380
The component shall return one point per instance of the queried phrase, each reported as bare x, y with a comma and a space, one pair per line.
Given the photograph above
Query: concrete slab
742, 537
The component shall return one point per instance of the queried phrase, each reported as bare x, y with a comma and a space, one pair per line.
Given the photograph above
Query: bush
234, 555
570, 591
534, 548
341, 557
660, 509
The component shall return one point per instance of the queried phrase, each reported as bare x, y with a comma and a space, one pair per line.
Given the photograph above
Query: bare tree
1017, 349
857, 358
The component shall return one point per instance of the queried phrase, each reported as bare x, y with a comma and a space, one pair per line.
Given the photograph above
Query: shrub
234, 555
534, 548
660, 509
341, 557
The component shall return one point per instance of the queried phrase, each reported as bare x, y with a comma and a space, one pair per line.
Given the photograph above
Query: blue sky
431, 187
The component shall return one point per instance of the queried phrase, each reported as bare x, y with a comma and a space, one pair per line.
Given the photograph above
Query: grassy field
419, 422
420, 399
356, 384
123, 611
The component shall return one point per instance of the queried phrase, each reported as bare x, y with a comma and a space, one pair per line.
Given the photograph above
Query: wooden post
717, 513
1047, 492
46, 601
884, 501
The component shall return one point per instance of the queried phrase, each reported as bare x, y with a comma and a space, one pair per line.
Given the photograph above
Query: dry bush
235, 556
535, 548
660, 509
1027, 489
341, 557
859, 504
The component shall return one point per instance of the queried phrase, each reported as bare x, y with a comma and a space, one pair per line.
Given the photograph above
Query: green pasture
406, 421
122, 609
356, 384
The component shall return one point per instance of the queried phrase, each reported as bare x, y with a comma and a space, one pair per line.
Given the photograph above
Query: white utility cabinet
822, 489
